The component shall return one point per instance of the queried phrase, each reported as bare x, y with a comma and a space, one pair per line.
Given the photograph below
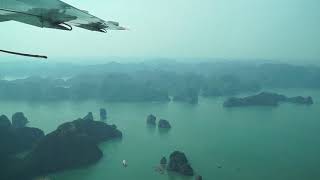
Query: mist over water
264, 141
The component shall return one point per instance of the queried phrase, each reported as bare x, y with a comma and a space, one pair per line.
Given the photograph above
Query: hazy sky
244, 29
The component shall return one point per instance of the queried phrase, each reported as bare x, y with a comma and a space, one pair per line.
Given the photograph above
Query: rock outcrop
265, 99
103, 114
4, 122
19, 120
164, 124
88, 117
163, 161
178, 162
151, 119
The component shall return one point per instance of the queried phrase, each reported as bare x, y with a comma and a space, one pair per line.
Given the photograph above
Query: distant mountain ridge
149, 81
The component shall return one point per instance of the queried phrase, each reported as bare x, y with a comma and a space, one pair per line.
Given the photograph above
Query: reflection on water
163, 131
151, 128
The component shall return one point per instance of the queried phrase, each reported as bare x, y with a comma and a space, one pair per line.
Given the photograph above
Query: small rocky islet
178, 163
151, 120
103, 114
162, 124
266, 99
73, 144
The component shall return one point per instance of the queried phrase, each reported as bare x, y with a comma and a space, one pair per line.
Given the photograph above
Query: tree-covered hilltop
150, 81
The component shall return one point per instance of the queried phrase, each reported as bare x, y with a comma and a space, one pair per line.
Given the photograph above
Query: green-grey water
249, 143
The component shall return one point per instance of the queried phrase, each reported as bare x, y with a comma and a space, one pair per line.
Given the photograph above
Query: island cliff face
4, 122
59, 151
164, 124
19, 120
71, 145
16, 140
103, 114
178, 162
266, 99
151, 120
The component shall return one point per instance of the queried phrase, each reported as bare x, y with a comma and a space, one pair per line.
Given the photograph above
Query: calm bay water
249, 143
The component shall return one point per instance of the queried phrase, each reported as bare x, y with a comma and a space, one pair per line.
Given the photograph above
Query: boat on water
124, 163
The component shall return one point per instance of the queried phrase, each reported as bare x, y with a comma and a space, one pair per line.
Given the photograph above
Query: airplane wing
53, 14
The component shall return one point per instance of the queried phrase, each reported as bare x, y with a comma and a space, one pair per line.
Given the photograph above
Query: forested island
266, 99
27, 152
149, 81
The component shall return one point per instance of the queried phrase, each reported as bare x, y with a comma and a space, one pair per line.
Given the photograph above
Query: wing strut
23, 54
